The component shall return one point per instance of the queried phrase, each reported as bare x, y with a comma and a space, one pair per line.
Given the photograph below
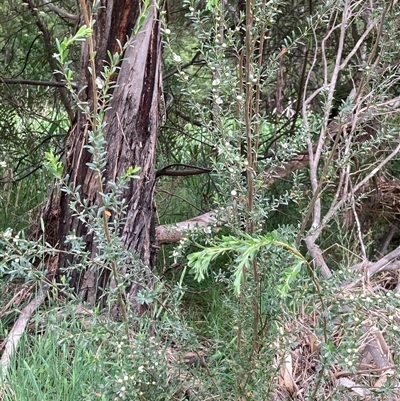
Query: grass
20, 201
59, 364
68, 357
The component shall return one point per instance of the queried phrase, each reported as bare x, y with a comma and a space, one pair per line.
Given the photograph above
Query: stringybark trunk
131, 135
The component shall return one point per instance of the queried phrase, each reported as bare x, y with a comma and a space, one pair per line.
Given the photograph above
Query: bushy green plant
272, 284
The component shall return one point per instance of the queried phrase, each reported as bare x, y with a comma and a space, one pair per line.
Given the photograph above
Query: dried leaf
345, 382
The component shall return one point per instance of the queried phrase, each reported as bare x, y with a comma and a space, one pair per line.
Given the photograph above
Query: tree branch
56, 84
172, 233
60, 11
197, 123
191, 170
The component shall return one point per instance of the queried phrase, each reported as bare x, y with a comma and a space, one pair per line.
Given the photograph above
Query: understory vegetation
275, 224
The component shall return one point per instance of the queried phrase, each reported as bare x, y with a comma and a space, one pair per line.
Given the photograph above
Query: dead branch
389, 262
188, 170
19, 328
172, 233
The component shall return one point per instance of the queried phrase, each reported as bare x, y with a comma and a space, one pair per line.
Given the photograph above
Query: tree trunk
131, 135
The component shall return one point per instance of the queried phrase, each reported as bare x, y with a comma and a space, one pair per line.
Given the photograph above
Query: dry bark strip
18, 329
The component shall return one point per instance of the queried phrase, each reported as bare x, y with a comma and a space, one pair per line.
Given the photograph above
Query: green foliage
20, 201
32, 120
246, 249
83, 356
62, 55
53, 165
21, 258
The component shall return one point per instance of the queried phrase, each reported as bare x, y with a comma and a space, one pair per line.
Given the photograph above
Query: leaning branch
18, 329
389, 262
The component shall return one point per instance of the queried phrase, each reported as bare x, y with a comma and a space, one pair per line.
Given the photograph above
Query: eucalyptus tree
129, 122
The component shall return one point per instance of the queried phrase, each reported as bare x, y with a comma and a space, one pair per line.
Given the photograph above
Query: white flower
167, 31
239, 97
233, 192
177, 58
218, 100
216, 82
141, 369
99, 83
